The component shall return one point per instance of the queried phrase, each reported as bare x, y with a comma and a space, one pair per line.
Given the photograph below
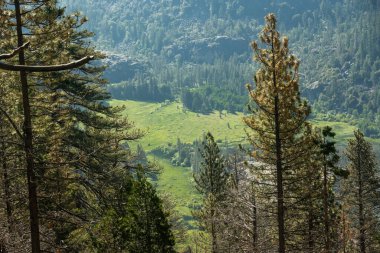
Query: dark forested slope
199, 50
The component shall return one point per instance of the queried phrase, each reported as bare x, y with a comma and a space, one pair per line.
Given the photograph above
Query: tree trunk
7, 194
280, 190
28, 140
255, 232
213, 231
361, 211
325, 207
311, 242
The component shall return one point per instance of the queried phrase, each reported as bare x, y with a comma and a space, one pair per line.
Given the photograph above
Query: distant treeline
149, 92
207, 98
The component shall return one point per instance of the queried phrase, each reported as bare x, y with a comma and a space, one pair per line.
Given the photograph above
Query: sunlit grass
165, 123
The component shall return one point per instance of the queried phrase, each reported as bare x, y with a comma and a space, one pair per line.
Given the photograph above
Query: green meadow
164, 123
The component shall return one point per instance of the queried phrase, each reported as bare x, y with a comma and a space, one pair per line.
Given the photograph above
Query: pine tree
211, 182
212, 177
72, 139
27, 130
362, 193
278, 122
331, 170
319, 201
135, 222
8, 169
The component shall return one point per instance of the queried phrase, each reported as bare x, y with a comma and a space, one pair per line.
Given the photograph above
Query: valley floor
164, 123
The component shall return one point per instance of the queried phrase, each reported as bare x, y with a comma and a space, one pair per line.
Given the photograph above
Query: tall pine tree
211, 181
278, 122
73, 140
363, 194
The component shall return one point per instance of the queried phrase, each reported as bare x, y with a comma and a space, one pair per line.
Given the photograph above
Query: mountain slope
200, 49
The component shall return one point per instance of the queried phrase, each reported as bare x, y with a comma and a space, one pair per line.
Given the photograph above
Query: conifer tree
27, 131
363, 193
278, 122
8, 168
72, 139
329, 160
240, 226
318, 201
136, 222
211, 182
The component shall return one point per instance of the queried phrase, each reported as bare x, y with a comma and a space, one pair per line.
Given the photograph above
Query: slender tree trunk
280, 190
213, 231
325, 207
255, 234
311, 242
28, 140
344, 234
6, 187
361, 211
6, 195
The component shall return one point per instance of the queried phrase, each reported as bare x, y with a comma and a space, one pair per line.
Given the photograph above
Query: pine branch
71, 65
14, 52
12, 123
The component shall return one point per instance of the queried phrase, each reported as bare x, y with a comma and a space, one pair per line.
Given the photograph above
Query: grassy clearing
164, 123
178, 181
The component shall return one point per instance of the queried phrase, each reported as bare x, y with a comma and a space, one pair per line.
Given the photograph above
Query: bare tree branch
12, 123
60, 67
10, 55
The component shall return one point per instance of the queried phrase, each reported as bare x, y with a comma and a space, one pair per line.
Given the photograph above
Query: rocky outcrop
121, 68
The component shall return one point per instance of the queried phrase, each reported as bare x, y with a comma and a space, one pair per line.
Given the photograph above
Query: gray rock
121, 68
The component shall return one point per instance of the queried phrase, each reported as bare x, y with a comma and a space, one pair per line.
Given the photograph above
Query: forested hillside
198, 50
258, 174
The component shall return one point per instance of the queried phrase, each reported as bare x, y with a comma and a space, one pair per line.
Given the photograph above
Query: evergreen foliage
363, 195
133, 222
70, 180
280, 138
74, 143
211, 179
211, 182
330, 159
146, 91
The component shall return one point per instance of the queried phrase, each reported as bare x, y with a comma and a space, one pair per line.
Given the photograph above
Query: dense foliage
64, 156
